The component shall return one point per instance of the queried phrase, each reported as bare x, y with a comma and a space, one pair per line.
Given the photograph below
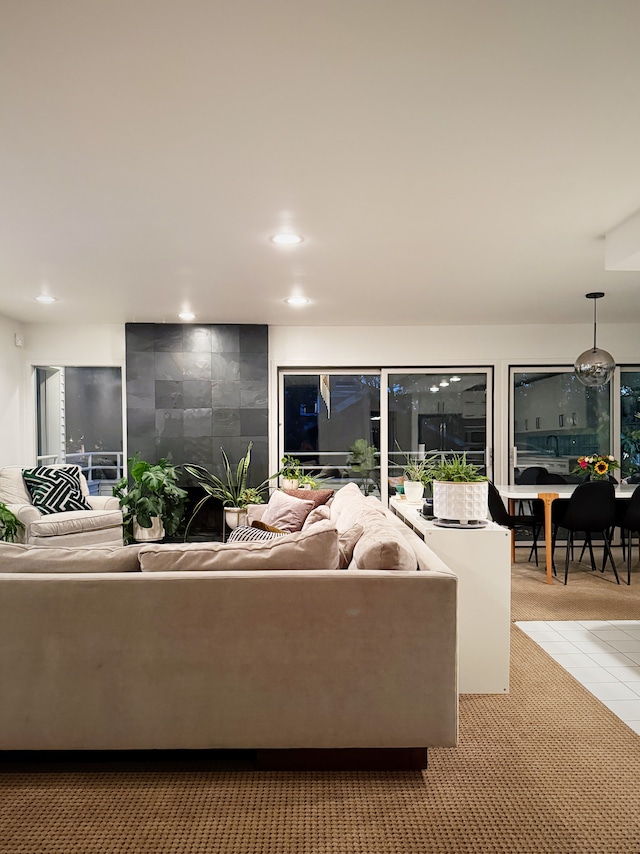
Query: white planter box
461, 502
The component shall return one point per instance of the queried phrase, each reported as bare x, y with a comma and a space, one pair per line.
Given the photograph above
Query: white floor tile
627, 674
628, 645
610, 659
594, 674
604, 655
577, 659
611, 691
628, 710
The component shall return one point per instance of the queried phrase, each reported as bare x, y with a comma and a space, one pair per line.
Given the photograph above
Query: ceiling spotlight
594, 367
297, 301
187, 315
434, 388
444, 384
286, 239
455, 379
45, 298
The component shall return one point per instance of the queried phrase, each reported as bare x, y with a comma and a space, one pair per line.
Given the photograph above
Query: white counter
481, 559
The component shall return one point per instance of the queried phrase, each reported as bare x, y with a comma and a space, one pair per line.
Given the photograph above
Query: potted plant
290, 471
415, 470
10, 525
362, 461
153, 504
460, 491
231, 489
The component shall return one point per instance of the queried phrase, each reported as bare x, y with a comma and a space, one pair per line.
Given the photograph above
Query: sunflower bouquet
596, 466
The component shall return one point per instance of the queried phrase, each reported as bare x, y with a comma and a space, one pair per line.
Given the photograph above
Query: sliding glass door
446, 412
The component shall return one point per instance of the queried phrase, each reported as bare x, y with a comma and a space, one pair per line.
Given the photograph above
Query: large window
79, 420
331, 424
347, 425
555, 420
629, 421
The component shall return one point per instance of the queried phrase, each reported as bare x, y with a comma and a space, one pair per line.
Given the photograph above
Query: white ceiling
448, 161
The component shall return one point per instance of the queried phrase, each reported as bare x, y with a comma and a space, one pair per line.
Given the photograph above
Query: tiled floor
604, 655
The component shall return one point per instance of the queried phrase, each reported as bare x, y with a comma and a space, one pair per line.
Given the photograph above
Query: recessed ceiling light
297, 301
444, 384
45, 298
286, 239
187, 315
434, 388
455, 379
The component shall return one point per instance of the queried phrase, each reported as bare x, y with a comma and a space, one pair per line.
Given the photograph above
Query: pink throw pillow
285, 512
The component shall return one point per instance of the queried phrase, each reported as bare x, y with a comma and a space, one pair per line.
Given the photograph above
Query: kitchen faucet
551, 440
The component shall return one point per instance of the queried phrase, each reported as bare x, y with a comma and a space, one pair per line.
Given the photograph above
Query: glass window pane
556, 419
431, 412
629, 422
332, 425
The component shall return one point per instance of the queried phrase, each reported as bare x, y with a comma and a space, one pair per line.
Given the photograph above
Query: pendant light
594, 367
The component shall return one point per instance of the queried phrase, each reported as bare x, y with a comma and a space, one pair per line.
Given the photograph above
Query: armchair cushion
55, 490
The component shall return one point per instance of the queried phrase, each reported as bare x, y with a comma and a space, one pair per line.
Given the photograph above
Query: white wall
12, 414
62, 345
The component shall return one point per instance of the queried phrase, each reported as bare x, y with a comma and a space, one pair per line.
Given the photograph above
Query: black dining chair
630, 525
501, 516
590, 510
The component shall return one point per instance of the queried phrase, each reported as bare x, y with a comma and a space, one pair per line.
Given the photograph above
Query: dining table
548, 493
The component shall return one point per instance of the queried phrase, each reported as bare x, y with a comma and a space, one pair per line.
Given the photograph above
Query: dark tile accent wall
192, 389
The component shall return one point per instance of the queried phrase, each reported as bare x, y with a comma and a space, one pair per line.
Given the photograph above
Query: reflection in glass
437, 412
557, 419
629, 423
332, 425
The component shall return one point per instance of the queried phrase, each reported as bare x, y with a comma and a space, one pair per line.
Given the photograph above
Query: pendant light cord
595, 301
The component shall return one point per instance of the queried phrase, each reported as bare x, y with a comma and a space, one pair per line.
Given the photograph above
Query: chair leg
629, 549
566, 555
608, 553
590, 544
535, 530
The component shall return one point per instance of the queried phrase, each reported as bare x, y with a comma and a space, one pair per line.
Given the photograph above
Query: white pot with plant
415, 471
460, 491
231, 490
290, 472
152, 502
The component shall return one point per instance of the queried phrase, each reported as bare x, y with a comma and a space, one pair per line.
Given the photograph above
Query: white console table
481, 558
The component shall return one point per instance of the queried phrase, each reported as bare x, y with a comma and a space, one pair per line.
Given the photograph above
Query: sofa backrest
14, 491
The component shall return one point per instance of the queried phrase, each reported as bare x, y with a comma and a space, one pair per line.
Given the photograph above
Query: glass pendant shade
594, 367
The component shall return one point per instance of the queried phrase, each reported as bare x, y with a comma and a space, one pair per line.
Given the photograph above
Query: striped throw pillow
55, 490
246, 533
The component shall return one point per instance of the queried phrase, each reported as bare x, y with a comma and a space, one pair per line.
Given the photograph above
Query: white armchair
101, 525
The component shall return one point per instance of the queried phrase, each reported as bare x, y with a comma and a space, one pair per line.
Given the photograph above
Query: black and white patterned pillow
54, 490
246, 533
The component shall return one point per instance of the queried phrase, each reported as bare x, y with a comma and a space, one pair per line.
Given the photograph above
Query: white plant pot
289, 483
413, 490
461, 502
149, 535
234, 516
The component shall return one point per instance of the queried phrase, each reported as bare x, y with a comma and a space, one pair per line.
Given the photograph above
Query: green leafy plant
456, 469
415, 468
231, 489
362, 461
10, 525
153, 491
290, 469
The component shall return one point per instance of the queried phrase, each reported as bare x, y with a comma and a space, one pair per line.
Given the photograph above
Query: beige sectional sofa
236, 645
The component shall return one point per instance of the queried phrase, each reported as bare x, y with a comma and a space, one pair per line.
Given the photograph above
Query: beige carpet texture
547, 768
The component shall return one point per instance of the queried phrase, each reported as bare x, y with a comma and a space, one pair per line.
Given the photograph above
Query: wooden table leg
547, 499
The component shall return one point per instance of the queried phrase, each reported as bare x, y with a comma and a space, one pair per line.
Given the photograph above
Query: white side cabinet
481, 558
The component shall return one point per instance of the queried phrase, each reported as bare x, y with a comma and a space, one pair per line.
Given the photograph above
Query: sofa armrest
25, 512
103, 502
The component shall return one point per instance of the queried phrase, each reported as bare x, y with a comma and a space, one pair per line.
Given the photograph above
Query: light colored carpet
545, 769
